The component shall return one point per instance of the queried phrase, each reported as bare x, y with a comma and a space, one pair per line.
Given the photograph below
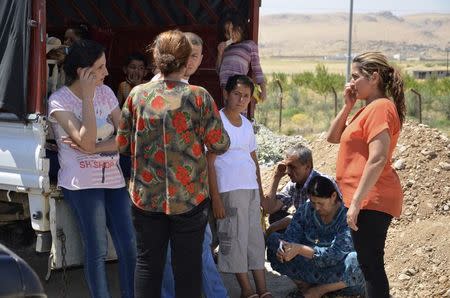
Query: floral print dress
165, 126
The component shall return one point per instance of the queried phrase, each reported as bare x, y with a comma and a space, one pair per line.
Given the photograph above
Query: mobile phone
281, 246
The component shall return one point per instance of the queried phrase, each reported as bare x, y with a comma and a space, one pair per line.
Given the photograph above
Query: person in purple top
239, 55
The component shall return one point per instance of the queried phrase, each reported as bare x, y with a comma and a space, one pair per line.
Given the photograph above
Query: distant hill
413, 36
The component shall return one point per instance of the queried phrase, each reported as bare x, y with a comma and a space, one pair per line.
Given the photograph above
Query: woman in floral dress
165, 127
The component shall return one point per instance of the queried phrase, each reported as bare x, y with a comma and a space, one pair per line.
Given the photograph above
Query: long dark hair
234, 17
82, 54
391, 81
323, 187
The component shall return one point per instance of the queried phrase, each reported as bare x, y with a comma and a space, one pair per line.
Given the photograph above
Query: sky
397, 7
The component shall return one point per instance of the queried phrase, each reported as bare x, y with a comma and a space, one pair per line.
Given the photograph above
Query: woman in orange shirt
370, 186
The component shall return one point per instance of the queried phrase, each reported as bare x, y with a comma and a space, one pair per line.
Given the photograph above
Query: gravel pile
272, 146
418, 244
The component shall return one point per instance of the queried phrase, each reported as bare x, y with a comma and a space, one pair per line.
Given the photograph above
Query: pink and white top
79, 170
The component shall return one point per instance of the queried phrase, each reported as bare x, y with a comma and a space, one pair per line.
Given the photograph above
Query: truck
28, 192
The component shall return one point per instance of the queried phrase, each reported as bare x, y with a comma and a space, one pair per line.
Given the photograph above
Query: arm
339, 123
292, 250
341, 245
215, 136
83, 133
270, 203
125, 126
258, 74
220, 49
120, 96
110, 145
292, 237
263, 91
378, 154
217, 204
322, 256
279, 225
258, 174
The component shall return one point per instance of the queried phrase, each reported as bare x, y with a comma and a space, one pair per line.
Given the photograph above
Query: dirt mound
418, 244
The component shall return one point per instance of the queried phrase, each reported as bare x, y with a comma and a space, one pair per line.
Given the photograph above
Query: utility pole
349, 47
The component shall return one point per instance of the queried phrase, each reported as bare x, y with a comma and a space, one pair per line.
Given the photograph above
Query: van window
14, 49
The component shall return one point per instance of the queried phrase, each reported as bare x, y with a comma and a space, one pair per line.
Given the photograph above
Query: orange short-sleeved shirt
386, 195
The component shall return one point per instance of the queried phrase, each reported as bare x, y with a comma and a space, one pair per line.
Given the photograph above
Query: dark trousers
185, 232
369, 243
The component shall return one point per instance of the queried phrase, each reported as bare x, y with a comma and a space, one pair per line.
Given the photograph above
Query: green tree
325, 83
303, 80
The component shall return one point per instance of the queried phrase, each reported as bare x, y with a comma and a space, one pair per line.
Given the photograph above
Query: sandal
253, 296
265, 294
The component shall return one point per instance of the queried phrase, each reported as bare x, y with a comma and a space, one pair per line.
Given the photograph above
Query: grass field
293, 65
305, 111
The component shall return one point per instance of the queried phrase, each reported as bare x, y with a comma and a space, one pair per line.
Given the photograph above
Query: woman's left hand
290, 251
352, 216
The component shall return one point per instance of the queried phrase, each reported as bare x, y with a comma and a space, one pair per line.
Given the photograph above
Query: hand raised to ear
88, 82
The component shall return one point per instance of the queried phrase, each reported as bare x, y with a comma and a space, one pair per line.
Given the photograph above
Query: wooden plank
186, 12
254, 20
138, 9
119, 12
162, 12
37, 71
99, 13
230, 4
78, 11
209, 10
8, 218
55, 8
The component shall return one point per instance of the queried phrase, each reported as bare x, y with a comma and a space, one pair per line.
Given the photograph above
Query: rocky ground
418, 244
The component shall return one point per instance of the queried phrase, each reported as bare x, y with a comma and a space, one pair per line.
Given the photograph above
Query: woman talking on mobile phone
370, 186
85, 113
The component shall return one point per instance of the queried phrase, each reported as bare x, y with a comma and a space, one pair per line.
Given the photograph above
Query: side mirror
18, 279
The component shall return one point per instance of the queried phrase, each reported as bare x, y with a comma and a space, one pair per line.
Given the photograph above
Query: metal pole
419, 96
349, 47
447, 61
281, 104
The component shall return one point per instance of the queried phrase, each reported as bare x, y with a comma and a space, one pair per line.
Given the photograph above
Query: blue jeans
212, 283
96, 210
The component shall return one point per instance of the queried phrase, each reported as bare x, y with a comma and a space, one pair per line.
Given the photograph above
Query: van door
23, 164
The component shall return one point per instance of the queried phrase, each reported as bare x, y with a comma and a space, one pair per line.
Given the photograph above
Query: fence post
335, 101
281, 104
420, 103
